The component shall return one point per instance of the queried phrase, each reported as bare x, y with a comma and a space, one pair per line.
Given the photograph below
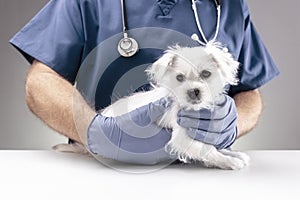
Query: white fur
190, 62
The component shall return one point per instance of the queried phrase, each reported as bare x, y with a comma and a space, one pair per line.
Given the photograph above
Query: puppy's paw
240, 155
234, 163
222, 161
229, 163
70, 148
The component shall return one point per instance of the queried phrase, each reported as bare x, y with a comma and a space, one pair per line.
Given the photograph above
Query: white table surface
51, 175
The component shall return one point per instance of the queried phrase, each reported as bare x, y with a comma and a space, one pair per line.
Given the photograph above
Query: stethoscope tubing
133, 45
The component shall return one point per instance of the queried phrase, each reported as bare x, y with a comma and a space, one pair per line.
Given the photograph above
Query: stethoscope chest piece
127, 46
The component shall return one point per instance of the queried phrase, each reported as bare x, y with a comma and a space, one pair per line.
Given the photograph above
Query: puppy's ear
228, 66
158, 69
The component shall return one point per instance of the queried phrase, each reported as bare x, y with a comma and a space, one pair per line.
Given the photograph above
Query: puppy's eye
180, 77
205, 74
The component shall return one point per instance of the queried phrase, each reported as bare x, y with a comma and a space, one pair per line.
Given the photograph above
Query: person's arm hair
57, 103
249, 107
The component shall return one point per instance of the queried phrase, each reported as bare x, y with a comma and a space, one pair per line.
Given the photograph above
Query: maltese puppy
193, 78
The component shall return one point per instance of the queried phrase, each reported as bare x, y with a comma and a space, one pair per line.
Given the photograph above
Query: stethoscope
128, 46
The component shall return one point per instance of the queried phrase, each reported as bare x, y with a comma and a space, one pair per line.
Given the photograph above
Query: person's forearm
249, 107
55, 101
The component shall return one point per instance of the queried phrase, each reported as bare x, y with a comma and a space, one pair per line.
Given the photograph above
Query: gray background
276, 21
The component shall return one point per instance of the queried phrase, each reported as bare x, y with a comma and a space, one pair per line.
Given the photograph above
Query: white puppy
194, 78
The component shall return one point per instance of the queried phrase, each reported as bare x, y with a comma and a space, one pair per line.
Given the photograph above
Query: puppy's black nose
194, 93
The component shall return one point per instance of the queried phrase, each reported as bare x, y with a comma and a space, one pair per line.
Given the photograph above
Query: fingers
158, 108
218, 112
150, 113
216, 126
210, 125
219, 140
195, 114
206, 137
143, 116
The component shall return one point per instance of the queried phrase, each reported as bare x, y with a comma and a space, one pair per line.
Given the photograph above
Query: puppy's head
195, 76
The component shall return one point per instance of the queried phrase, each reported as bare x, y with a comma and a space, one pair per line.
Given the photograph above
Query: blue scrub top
65, 32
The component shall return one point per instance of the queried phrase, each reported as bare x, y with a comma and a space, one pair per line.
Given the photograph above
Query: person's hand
132, 137
217, 127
